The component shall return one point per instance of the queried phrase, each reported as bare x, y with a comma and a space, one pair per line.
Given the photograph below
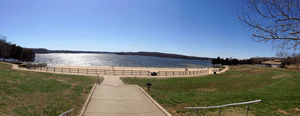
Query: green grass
280, 96
37, 93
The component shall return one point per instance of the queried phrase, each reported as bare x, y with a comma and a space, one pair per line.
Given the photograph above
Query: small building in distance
275, 64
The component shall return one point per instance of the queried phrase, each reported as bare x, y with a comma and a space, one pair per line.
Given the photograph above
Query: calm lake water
100, 60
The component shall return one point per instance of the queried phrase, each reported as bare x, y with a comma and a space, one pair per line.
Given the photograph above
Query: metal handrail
66, 113
232, 104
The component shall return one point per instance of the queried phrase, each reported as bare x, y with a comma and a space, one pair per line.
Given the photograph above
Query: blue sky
205, 28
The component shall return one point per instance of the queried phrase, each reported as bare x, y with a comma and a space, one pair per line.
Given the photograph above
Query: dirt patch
282, 111
280, 76
233, 76
230, 111
293, 111
158, 96
242, 69
258, 71
179, 109
293, 70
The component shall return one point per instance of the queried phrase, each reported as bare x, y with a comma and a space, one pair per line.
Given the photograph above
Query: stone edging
87, 101
159, 106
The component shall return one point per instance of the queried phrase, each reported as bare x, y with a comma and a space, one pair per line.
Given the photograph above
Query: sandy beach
151, 69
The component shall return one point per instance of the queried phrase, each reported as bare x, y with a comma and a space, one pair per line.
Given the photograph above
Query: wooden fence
119, 72
92, 71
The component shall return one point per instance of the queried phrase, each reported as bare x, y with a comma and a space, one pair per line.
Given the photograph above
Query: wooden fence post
114, 72
87, 71
173, 72
62, 70
69, 70
140, 72
47, 69
78, 70
105, 72
123, 72
96, 71
131, 72
166, 73
54, 69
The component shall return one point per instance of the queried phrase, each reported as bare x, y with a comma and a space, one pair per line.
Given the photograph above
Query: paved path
113, 98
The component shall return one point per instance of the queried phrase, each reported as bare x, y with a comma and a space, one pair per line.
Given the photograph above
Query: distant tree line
293, 59
164, 55
231, 61
14, 52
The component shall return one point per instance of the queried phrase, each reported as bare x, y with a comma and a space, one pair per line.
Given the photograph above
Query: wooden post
96, 72
114, 72
78, 70
69, 70
179, 72
105, 72
87, 71
140, 72
47, 69
166, 73
62, 70
131, 72
54, 69
247, 108
220, 112
148, 73
173, 72
123, 72
40, 68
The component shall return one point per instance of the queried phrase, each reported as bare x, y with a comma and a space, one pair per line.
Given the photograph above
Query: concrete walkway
113, 98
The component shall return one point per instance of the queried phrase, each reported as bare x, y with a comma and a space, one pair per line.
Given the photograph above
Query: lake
101, 60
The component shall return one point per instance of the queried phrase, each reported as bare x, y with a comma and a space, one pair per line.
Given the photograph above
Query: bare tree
296, 58
4, 47
277, 21
281, 54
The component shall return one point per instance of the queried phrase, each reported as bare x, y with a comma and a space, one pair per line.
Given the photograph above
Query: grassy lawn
279, 89
36, 93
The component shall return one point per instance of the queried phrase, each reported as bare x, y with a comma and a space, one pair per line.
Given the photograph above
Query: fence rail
120, 72
233, 104
66, 113
92, 71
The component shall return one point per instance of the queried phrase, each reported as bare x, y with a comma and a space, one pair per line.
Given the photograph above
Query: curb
87, 101
159, 106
